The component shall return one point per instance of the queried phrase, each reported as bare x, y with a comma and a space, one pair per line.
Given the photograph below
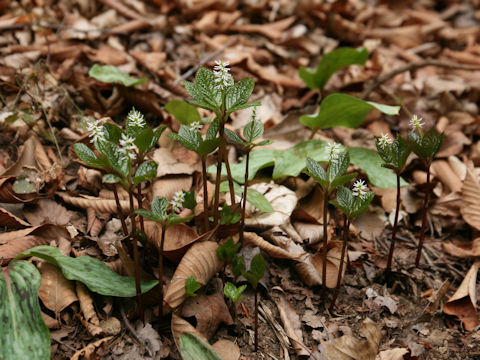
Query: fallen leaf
9, 220
46, 211
270, 249
178, 326
470, 208
393, 354
464, 250
107, 206
227, 349
56, 292
91, 321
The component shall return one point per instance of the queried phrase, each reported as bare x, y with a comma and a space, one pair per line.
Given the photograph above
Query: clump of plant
425, 146
217, 91
251, 132
121, 155
329, 181
191, 286
167, 216
352, 203
394, 154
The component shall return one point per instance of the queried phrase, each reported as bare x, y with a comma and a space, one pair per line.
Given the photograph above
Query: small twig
413, 66
129, 326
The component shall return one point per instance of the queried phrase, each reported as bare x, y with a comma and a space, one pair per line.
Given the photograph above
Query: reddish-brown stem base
218, 176
139, 199
205, 195
120, 211
256, 319
424, 219
394, 230
244, 200
136, 260
325, 241
160, 271
342, 258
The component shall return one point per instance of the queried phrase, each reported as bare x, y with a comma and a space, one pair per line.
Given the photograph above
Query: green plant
329, 181
394, 154
352, 203
111, 74
216, 91
425, 146
253, 276
191, 286
252, 132
166, 219
120, 154
192, 347
233, 293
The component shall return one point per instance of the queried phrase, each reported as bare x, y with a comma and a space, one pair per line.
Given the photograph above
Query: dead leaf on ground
169, 185
46, 211
470, 208
9, 220
56, 292
270, 249
227, 349
333, 263
350, 348
464, 302
393, 354
179, 326
169, 165
90, 349
464, 250
107, 206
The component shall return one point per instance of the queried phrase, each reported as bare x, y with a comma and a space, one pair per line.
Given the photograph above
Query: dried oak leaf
91, 321
180, 326
101, 205
227, 349
470, 208
270, 249
468, 250
56, 292
46, 211
9, 220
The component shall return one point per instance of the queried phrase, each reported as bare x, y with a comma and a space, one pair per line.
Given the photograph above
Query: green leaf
95, 274
361, 205
238, 94
228, 250
111, 74
190, 138
110, 179
253, 130
345, 200
191, 285
254, 197
395, 154
174, 219
189, 201
159, 207
342, 180
213, 129
332, 62
112, 132
88, 156
316, 171
263, 142
244, 106
23, 186
192, 347
208, 146
344, 110
205, 82
238, 265
149, 215
118, 160
184, 112
257, 270
426, 147
338, 166
23, 334
144, 139
232, 135
232, 292
146, 171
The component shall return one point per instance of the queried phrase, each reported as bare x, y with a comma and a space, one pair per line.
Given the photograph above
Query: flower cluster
128, 147
416, 122
359, 189
222, 76
96, 130
384, 141
177, 200
196, 125
333, 149
136, 118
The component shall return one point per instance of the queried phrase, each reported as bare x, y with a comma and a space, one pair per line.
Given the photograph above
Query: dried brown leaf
9, 220
467, 250
92, 323
227, 349
46, 211
56, 292
270, 249
107, 206
179, 326
470, 208
169, 185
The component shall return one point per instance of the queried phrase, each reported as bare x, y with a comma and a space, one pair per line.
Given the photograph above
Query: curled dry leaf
46, 211
270, 249
309, 232
200, 261
393, 354
180, 326
56, 292
227, 349
350, 348
292, 325
91, 321
467, 250
9, 220
7, 195
177, 238
470, 208
88, 351
94, 224
169, 185
464, 302
101, 205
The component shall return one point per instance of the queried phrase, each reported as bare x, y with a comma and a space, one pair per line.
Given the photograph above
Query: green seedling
394, 154
352, 203
253, 276
216, 91
227, 217
166, 219
329, 181
234, 293
120, 154
252, 132
228, 250
425, 146
191, 286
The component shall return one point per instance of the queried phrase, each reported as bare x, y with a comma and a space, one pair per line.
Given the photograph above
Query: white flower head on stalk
222, 77
416, 122
136, 118
196, 125
128, 147
359, 189
96, 131
333, 150
177, 200
384, 141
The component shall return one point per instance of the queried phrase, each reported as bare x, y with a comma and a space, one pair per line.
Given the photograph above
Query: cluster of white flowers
416, 122
222, 76
196, 125
384, 141
177, 200
96, 130
136, 118
333, 150
360, 189
127, 146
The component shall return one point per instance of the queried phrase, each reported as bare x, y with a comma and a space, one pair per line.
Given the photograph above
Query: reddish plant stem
256, 318
325, 240
139, 198
424, 218
160, 269
120, 211
244, 200
133, 236
205, 194
220, 156
394, 230
229, 175
342, 257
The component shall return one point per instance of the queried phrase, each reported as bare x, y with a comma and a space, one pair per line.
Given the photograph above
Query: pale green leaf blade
146, 171
184, 112
239, 93
111, 74
192, 347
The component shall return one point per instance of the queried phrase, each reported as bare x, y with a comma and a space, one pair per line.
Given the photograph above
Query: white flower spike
333, 149
177, 200
96, 131
127, 146
222, 76
384, 141
416, 122
136, 118
196, 125
359, 189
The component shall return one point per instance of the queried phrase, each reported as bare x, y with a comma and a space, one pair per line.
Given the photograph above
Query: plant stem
325, 240
235, 316
394, 230
244, 200
120, 211
229, 176
424, 218
342, 257
133, 235
220, 156
205, 194
160, 269
256, 318
139, 198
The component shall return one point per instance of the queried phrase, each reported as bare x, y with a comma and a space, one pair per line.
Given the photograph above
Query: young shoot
234, 293
394, 154
425, 146
329, 181
191, 286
